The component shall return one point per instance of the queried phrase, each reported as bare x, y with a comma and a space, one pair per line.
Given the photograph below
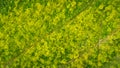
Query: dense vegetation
59, 33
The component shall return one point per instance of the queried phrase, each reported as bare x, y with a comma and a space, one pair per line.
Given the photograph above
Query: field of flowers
59, 33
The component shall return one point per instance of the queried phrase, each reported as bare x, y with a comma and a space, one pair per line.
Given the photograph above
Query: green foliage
59, 34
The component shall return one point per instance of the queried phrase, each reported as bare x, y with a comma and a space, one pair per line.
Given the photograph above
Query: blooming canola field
59, 33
